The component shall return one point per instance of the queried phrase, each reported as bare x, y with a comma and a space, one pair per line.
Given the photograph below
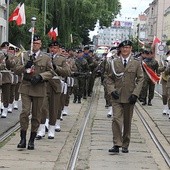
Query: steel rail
76, 147
154, 138
8, 133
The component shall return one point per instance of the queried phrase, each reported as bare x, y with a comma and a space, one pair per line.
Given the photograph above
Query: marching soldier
148, 85
162, 67
70, 80
124, 82
53, 99
36, 69
7, 77
83, 69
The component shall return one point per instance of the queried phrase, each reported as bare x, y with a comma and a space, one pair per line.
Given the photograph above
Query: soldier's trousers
164, 92
17, 94
67, 99
79, 87
12, 93
51, 107
148, 89
5, 96
31, 105
122, 119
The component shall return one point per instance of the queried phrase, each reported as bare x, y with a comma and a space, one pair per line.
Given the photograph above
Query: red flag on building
156, 40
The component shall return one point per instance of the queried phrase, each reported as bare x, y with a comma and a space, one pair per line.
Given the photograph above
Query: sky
130, 9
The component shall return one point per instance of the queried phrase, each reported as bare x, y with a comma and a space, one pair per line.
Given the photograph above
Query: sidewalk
94, 155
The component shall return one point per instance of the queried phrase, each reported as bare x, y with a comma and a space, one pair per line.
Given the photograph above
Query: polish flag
18, 15
55, 34
50, 33
152, 75
15, 13
21, 16
156, 40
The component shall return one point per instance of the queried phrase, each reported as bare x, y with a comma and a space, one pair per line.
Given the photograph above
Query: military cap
11, 48
36, 38
5, 44
125, 43
55, 43
79, 51
86, 48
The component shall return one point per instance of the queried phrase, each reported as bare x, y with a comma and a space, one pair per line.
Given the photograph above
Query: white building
3, 22
119, 31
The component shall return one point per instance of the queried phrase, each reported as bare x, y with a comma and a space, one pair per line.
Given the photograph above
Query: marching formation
45, 81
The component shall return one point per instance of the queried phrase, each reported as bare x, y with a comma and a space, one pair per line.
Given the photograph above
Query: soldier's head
11, 50
125, 48
55, 47
86, 50
80, 53
4, 46
36, 43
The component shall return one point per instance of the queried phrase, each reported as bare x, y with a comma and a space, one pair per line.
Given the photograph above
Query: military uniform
148, 86
7, 81
80, 81
124, 82
36, 69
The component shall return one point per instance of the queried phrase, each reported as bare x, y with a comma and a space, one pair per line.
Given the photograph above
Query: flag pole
45, 13
33, 20
7, 23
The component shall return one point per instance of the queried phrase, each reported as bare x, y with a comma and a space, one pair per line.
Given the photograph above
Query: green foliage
76, 17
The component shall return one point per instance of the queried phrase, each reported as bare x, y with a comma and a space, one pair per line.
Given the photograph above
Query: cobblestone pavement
93, 155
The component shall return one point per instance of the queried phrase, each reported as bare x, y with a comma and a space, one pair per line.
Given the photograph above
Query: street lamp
33, 20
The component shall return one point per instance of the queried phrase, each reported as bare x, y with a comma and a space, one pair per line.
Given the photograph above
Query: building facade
119, 31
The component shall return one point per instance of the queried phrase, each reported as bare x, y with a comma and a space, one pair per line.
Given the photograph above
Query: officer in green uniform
124, 83
83, 69
36, 68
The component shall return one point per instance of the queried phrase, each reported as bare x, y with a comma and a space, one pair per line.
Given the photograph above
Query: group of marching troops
44, 81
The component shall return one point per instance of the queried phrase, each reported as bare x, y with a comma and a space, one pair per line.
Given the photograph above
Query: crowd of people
45, 80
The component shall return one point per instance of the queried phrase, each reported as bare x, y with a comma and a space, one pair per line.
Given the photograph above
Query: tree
76, 17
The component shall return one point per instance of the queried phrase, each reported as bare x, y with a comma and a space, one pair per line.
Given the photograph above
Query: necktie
34, 56
125, 63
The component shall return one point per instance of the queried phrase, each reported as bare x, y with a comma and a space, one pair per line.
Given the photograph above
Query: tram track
156, 140
76, 147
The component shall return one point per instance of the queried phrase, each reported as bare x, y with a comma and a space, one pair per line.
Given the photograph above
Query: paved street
93, 154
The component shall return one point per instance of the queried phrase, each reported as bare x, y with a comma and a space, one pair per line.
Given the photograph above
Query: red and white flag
152, 75
156, 40
14, 15
53, 33
50, 33
18, 15
21, 16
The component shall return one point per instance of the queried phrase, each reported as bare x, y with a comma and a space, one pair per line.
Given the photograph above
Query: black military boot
31, 141
75, 99
79, 99
22, 143
144, 102
149, 102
